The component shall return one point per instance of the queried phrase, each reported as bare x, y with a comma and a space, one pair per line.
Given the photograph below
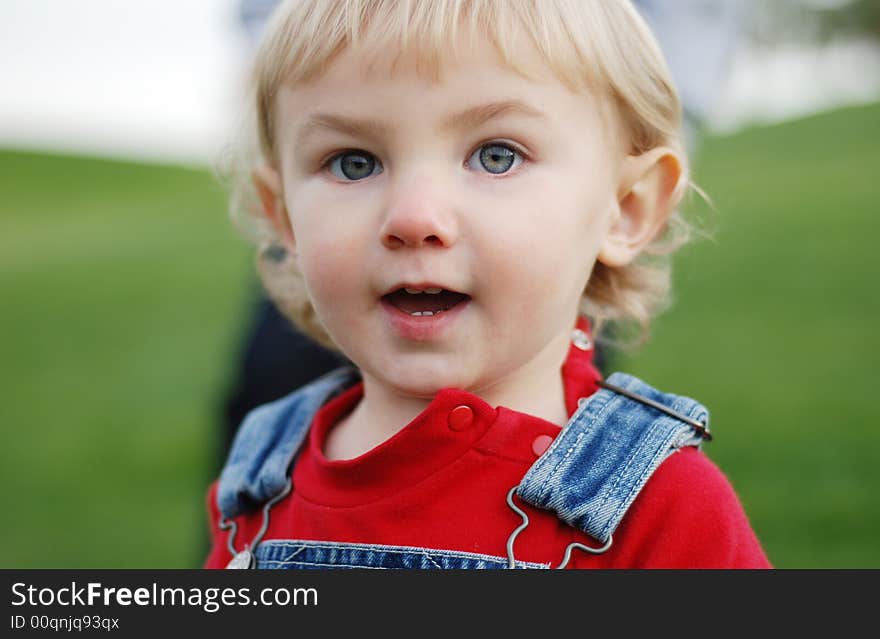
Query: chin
423, 387
425, 380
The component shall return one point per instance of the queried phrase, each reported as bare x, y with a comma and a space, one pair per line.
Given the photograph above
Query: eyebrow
469, 118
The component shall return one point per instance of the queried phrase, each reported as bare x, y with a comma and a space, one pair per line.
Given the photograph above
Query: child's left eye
495, 158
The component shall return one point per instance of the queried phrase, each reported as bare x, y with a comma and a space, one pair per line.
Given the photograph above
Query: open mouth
424, 302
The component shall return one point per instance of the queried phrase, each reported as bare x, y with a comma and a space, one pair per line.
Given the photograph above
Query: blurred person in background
698, 38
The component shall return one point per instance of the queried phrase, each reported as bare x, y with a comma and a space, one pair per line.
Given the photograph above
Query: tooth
422, 313
433, 291
412, 291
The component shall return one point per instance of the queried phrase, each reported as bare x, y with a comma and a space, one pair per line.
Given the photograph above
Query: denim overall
588, 477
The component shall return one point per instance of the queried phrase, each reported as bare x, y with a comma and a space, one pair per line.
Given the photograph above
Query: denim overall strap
603, 457
268, 439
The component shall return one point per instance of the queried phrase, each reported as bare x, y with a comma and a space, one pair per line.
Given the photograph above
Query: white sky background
160, 79
149, 79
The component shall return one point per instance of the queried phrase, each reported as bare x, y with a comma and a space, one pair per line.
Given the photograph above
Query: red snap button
461, 417
541, 444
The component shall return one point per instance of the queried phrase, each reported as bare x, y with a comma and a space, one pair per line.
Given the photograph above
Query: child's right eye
354, 165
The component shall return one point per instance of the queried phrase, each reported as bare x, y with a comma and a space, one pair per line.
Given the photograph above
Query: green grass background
124, 290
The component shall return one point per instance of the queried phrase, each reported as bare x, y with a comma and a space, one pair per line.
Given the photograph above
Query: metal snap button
461, 417
581, 340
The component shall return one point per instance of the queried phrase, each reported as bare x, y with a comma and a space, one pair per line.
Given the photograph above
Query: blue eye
354, 165
494, 158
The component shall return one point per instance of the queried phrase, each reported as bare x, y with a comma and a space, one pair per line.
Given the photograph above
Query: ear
646, 197
267, 182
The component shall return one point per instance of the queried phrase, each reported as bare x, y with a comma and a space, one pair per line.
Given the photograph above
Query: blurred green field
123, 296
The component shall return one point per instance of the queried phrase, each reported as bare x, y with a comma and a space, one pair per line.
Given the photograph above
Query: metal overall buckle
244, 559
511, 560
701, 428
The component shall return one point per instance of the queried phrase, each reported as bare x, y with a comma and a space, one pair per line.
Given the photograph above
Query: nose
418, 214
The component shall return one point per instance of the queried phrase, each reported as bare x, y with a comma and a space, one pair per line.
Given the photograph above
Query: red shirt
442, 481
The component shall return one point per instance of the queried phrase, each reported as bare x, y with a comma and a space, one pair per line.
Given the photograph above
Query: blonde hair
603, 45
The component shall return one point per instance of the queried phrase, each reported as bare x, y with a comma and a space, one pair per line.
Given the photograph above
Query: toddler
465, 192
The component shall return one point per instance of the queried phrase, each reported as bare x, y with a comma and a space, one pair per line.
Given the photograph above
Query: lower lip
421, 328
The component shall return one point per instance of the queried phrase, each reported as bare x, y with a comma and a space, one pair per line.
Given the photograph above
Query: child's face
496, 187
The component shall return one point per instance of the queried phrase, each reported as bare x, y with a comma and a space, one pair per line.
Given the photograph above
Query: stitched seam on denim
361, 547
402, 550
675, 441
685, 437
394, 551
500, 564
324, 565
550, 454
571, 449
358, 566
593, 417
638, 485
425, 554
610, 490
294, 553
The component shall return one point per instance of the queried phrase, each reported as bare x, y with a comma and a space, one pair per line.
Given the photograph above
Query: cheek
541, 264
333, 280
316, 268
548, 239
326, 241
329, 263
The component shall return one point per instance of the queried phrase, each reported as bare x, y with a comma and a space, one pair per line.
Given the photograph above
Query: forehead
473, 82
429, 34
375, 59
359, 69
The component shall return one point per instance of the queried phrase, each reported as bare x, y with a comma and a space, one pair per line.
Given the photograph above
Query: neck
536, 389
378, 416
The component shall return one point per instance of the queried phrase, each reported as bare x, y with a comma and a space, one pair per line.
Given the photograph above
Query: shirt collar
448, 427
